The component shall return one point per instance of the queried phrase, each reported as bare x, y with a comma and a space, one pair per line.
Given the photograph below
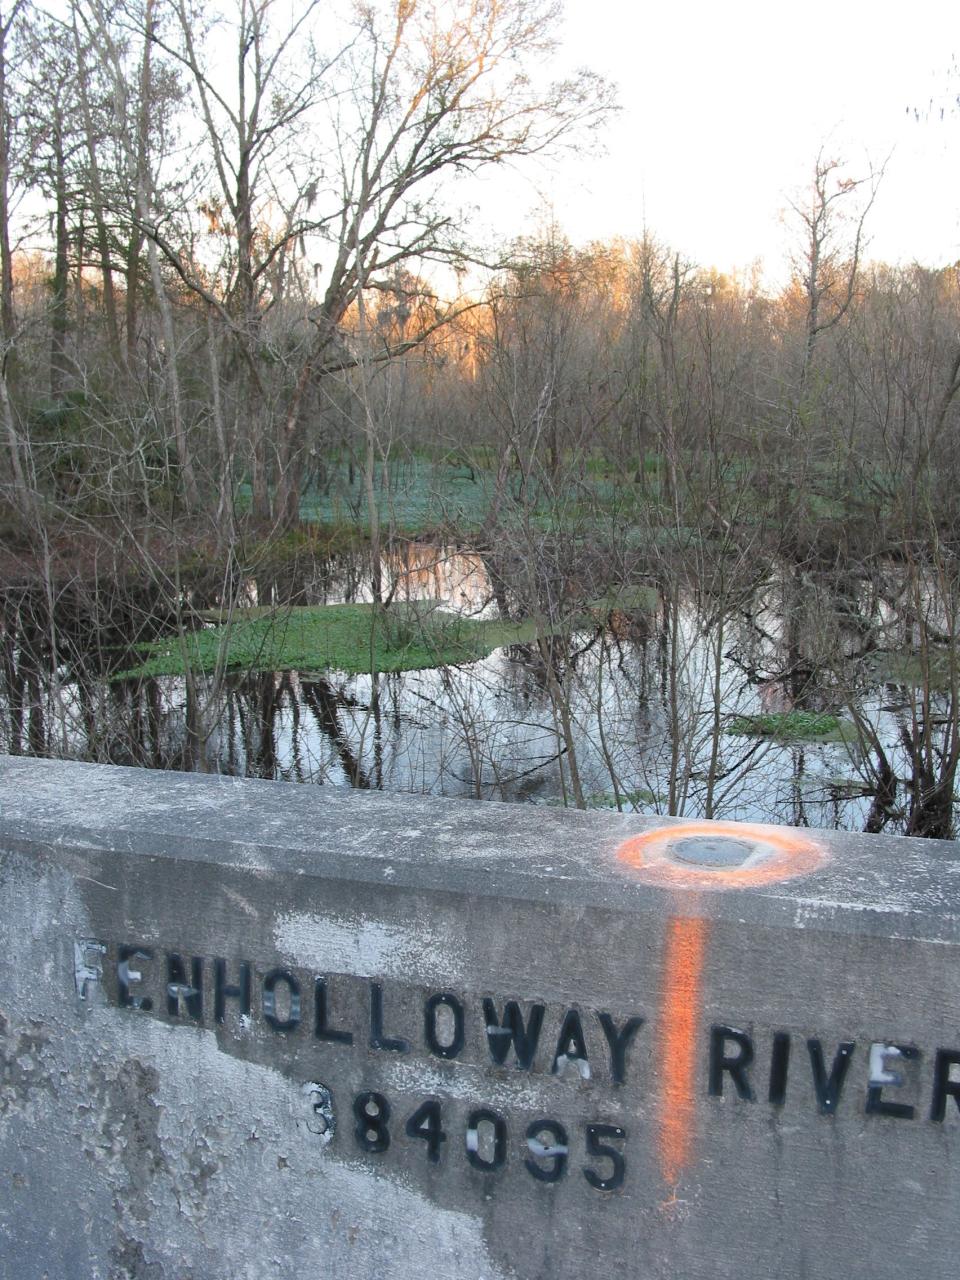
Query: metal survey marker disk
712, 851
716, 855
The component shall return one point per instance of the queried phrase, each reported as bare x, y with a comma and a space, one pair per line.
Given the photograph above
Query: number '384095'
485, 1141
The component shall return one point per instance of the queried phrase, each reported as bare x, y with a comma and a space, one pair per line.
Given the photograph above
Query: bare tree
831, 218
426, 101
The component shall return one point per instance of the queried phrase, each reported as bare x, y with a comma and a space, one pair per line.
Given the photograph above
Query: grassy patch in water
914, 670
353, 638
629, 600
795, 726
630, 801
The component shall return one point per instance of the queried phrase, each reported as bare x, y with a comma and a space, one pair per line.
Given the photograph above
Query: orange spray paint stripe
681, 1001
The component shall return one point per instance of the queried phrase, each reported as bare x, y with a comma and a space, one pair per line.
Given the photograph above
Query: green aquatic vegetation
629, 600
630, 801
353, 638
640, 798
935, 668
794, 726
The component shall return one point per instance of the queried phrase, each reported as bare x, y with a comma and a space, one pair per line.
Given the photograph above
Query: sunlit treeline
223, 262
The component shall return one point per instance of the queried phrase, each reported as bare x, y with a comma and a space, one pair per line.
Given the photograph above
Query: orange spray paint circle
764, 855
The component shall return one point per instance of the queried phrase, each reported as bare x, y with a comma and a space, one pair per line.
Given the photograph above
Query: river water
632, 712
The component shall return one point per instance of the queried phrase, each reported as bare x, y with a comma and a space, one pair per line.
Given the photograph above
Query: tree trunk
23, 492
141, 177
7, 321
96, 192
144, 184
225, 514
59, 365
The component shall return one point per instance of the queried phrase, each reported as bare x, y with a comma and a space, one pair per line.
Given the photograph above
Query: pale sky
725, 106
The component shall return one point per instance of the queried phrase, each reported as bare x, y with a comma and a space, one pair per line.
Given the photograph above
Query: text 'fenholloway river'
881, 1077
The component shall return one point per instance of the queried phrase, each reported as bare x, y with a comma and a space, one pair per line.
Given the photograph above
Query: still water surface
636, 709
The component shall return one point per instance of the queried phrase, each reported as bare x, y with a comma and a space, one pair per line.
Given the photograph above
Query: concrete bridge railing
253, 1030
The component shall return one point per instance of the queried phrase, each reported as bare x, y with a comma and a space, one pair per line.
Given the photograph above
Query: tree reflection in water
647, 699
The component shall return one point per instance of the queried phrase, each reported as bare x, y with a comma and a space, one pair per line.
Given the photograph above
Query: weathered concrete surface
163, 1141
